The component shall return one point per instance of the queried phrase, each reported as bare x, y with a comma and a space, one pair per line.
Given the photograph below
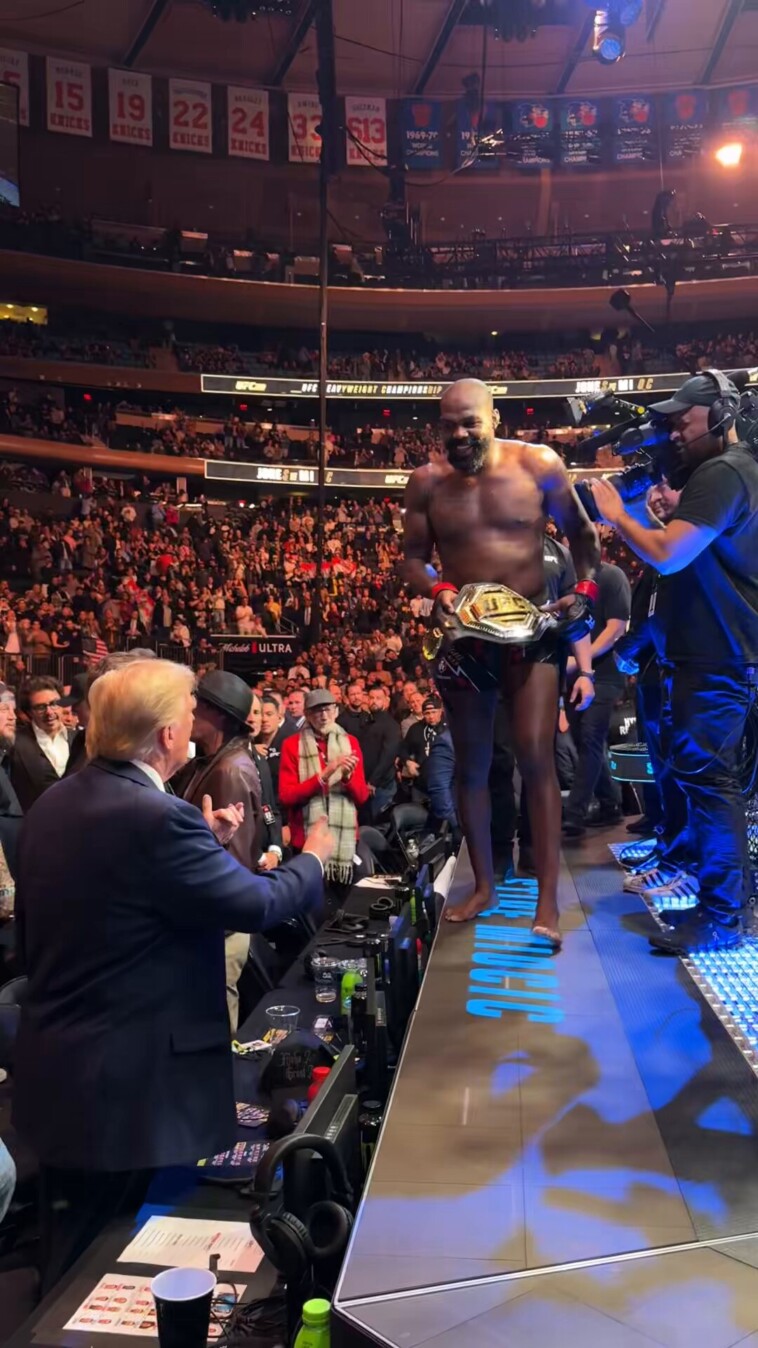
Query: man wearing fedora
224, 770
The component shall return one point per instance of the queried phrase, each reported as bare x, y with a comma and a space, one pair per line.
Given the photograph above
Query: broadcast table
569, 1157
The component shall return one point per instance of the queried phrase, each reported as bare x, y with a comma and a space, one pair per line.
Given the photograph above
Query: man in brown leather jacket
224, 770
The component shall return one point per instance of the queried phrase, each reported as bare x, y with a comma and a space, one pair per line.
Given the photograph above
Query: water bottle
315, 1328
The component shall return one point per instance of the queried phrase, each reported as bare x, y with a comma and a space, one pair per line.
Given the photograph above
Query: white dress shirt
55, 747
150, 772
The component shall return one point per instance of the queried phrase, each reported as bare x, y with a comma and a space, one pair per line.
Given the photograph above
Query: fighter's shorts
481, 665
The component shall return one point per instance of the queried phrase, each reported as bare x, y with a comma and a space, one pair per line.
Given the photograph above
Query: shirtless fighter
485, 509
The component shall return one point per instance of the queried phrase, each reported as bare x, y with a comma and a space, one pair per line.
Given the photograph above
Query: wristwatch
277, 851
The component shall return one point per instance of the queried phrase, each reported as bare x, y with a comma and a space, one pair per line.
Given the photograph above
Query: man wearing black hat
224, 770
417, 745
705, 627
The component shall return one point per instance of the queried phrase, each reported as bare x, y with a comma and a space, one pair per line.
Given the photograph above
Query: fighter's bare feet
546, 925
477, 902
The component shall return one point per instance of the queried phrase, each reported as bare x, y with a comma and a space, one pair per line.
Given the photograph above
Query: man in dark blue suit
123, 1061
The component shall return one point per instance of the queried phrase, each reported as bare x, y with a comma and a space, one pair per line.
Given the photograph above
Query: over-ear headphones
294, 1246
723, 413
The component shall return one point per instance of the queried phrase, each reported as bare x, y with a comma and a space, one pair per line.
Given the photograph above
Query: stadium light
730, 155
609, 38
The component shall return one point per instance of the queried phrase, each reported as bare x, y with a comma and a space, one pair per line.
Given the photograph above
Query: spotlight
609, 39
729, 155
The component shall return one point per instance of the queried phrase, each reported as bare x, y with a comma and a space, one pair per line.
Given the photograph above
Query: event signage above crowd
291, 387
249, 123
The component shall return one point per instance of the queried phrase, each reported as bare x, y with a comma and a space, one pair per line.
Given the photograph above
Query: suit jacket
11, 816
441, 780
32, 773
123, 1058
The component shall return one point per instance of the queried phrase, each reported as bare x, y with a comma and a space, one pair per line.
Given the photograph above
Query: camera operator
705, 606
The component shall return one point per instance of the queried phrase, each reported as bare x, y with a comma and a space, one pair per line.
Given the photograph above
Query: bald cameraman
705, 626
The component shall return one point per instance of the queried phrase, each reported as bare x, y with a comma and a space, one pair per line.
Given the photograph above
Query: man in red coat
321, 772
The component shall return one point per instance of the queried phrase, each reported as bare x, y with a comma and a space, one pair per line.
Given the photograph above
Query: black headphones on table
723, 413
294, 1246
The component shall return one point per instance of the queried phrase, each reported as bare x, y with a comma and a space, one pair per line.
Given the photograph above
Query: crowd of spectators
35, 341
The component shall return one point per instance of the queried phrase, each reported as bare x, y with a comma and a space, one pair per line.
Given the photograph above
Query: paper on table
188, 1242
122, 1305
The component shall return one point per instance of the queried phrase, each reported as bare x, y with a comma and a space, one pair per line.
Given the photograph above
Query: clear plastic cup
325, 985
283, 1017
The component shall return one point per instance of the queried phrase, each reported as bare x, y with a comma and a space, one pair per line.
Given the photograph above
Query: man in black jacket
353, 717
417, 745
379, 738
42, 747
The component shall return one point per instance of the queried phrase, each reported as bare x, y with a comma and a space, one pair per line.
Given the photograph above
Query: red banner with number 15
69, 97
189, 116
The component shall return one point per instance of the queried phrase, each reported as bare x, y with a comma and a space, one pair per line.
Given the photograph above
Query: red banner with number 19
189, 116
130, 107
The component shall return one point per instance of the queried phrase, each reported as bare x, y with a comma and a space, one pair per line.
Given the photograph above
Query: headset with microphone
723, 412
293, 1246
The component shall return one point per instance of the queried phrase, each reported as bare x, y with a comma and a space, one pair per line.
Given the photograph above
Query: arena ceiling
398, 47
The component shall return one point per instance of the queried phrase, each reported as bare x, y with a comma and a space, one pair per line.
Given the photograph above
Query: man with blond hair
123, 1061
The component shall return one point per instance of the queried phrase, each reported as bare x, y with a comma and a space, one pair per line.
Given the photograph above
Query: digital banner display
189, 116
580, 141
530, 131
69, 97
248, 130
421, 133
303, 121
130, 107
298, 475
14, 69
292, 387
245, 656
683, 117
634, 126
365, 132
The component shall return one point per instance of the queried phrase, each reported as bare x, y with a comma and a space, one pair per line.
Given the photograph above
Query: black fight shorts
482, 665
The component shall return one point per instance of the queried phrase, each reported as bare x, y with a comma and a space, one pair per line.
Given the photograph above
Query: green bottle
315, 1330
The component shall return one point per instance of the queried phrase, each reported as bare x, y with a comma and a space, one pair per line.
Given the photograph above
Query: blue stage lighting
628, 12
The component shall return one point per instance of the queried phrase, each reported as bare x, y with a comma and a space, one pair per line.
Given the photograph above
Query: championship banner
684, 116
189, 116
303, 120
130, 107
529, 139
736, 109
14, 69
580, 143
69, 97
248, 123
365, 132
278, 386
634, 124
421, 133
475, 125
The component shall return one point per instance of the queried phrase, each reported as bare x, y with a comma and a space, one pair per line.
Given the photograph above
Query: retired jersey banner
634, 124
69, 97
736, 109
304, 120
130, 107
529, 140
189, 116
248, 133
365, 132
14, 69
580, 142
421, 133
683, 119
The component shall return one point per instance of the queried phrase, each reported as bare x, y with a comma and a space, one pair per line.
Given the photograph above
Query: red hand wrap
590, 588
441, 586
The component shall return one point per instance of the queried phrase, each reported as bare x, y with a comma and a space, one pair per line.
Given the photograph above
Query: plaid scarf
340, 810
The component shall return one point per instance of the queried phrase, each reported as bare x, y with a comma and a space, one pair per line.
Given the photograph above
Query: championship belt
492, 613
